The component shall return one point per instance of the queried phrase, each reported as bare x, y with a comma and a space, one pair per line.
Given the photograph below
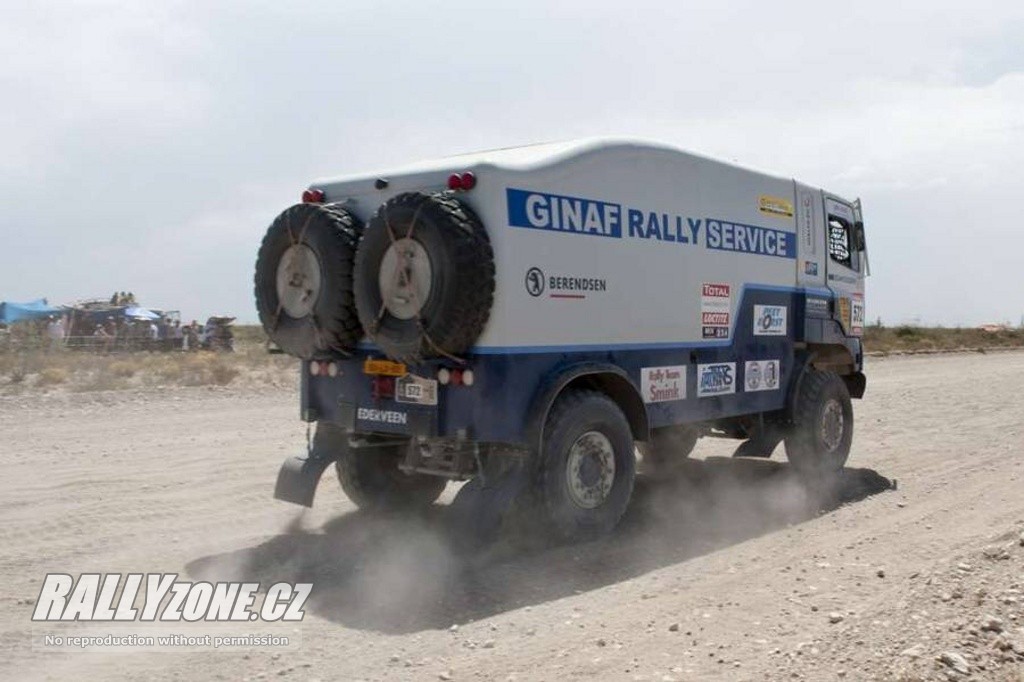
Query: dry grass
75, 370
251, 365
924, 339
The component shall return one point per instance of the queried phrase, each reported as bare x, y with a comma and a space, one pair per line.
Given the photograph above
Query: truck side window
839, 241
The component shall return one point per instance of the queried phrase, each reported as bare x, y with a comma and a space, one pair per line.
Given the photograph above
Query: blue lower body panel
720, 382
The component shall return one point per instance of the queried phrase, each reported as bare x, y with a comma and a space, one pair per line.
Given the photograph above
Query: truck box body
700, 280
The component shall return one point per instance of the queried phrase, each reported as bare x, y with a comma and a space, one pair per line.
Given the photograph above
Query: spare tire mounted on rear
304, 280
424, 277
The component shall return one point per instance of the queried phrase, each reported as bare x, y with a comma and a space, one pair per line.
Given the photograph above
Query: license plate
416, 390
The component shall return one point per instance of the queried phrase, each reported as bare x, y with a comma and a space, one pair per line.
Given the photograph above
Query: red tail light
461, 181
313, 196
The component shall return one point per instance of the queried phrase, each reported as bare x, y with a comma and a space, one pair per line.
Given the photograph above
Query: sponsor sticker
761, 375
816, 307
662, 384
811, 268
770, 320
857, 315
416, 390
844, 312
806, 224
715, 310
368, 414
718, 378
775, 206
562, 286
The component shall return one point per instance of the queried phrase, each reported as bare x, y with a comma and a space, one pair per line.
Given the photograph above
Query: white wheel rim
404, 278
832, 425
298, 280
590, 470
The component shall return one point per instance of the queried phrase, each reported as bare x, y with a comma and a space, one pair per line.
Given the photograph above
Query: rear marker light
467, 377
332, 369
456, 377
313, 196
314, 368
444, 376
464, 181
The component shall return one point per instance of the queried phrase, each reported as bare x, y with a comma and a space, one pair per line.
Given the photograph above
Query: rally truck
536, 319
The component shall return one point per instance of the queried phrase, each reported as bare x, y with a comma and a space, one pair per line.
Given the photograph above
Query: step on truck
535, 319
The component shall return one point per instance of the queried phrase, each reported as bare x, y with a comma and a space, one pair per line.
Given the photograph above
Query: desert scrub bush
51, 376
124, 369
102, 381
222, 374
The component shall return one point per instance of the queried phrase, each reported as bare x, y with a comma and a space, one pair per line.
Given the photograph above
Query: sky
147, 146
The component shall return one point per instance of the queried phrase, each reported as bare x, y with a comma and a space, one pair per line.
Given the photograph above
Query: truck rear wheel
819, 443
303, 280
370, 477
588, 464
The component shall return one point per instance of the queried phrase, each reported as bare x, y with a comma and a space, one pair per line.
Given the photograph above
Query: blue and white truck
533, 314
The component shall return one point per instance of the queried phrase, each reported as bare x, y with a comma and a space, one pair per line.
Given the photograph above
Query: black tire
667, 448
370, 476
326, 319
575, 416
818, 443
461, 277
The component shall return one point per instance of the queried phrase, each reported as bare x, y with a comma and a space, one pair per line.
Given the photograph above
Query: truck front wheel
370, 477
819, 442
588, 464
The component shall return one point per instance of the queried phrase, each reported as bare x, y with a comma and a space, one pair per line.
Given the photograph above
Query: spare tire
304, 280
424, 277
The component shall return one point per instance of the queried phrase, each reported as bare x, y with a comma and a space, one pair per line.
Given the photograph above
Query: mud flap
482, 505
298, 478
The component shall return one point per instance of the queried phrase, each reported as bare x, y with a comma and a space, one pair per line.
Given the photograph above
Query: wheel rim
404, 278
298, 280
590, 469
832, 425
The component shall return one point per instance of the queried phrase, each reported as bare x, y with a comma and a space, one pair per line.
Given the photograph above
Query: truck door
846, 262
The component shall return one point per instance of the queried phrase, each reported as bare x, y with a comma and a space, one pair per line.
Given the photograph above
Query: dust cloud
399, 574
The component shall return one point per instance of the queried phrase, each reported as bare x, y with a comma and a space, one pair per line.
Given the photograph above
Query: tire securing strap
396, 279
314, 321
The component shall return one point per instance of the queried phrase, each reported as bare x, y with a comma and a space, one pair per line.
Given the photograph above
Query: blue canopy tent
140, 313
33, 310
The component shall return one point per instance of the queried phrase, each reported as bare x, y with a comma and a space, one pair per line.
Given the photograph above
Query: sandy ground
732, 572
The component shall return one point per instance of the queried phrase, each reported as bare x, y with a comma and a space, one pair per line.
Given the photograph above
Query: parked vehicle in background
218, 334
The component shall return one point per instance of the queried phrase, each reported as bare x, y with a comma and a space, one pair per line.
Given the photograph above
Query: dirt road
731, 572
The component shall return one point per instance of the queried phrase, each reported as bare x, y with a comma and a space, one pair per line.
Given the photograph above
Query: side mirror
859, 242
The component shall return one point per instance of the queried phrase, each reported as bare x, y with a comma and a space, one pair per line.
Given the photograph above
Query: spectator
179, 335
55, 332
101, 338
